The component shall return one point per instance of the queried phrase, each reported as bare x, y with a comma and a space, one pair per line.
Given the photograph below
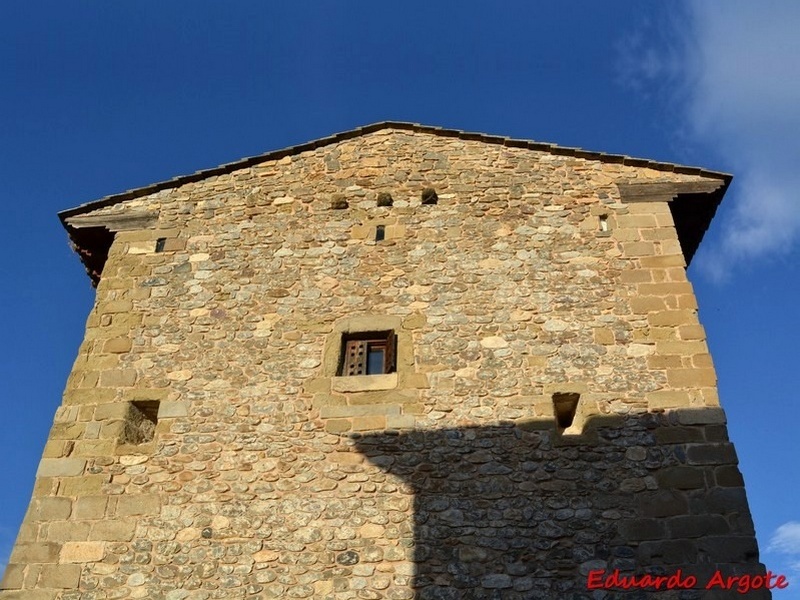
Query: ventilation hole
565, 405
385, 199
380, 233
603, 223
429, 196
140, 422
160, 243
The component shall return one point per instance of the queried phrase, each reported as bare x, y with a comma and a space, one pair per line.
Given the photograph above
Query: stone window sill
364, 383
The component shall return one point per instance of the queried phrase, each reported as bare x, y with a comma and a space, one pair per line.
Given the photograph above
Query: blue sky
99, 97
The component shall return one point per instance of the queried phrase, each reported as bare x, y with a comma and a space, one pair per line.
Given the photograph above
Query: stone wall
207, 448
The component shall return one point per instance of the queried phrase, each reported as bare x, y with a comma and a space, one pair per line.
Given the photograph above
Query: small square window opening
368, 353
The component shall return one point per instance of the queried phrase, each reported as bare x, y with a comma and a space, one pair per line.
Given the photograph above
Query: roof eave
359, 131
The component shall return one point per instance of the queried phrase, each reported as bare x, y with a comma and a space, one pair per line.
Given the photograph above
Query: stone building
399, 362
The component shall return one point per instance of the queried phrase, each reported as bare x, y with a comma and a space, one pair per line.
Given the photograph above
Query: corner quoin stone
61, 467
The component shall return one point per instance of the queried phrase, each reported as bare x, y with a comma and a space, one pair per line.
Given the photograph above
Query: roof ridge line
372, 128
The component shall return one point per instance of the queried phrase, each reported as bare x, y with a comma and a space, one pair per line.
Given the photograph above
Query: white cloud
734, 72
783, 558
786, 539
743, 76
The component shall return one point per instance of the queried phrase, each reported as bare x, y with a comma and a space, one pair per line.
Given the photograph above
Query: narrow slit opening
380, 233
565, 406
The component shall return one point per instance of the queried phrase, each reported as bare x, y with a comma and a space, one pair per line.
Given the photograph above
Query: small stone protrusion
339, 203
385, 199
429, 196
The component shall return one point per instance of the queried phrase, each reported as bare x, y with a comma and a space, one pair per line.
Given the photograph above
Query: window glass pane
375, 361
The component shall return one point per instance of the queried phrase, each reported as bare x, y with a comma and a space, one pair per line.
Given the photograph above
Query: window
140, 422
565, 406
368, 353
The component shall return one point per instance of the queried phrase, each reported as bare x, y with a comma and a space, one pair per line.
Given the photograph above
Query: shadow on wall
507, 513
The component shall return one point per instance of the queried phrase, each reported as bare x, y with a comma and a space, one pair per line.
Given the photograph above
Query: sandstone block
347, 458
171, 409
369, 423
723, 501
711, 454
364, 383
35, 552
681, 348
117, 345
692, 332
669, 552
646, 304
60, 576
56, 448
30, 594
85, 448
118, 378
79, 486
66, 414
82, 552
13, 577
695, 526
691, 377
113, 531
662, 503
61, 467
663, 261
90, 507
51, 509
642, 529
668, 399
328, 412
116, 306
678, 435
702, 361
673, 288
138, 504
728, 476
174, 244
636, 276
701, 416
634, 249
672, 318
338, 425
400, 421
729, 548
681, 478
88, 396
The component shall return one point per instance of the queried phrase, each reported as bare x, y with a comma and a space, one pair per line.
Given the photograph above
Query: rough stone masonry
533, 402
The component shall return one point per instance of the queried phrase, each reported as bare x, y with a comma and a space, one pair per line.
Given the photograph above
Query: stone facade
553, 410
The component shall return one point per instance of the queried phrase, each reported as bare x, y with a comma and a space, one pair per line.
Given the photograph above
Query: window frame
355, 351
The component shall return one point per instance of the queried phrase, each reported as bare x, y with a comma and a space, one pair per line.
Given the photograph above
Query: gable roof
690, 231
